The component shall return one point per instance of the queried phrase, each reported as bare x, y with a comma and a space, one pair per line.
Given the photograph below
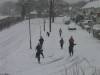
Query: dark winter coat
71, 42
48, 34
39, 50
62, 41
41, 40
60, 31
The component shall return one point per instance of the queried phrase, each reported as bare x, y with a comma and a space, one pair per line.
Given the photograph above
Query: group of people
39, 47
71, 43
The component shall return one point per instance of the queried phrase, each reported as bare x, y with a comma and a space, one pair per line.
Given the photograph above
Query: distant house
91, 9
96, 31
32, 14
94, 4
98, 17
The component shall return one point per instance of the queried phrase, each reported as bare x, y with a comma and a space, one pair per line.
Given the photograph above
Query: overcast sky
1, 1
70, 1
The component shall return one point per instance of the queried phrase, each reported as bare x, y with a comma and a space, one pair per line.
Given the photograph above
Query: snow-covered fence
9, 21
77, 67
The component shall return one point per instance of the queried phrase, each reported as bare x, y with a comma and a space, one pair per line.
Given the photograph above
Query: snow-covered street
17, 59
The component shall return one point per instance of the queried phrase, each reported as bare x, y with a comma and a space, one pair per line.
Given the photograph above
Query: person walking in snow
48, 34
61, 43
39, 51
41, 40
60, 32
71, 46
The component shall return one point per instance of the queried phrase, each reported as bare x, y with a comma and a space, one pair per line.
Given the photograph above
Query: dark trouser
60, 34
48, 34
38, 57
42, 54
71, 51
41, 43
61, 46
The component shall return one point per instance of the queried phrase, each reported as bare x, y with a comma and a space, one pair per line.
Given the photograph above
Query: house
96, 31
91, 9
98, 17
32, 14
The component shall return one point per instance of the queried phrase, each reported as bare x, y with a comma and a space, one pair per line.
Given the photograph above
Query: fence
77, 67
9, 21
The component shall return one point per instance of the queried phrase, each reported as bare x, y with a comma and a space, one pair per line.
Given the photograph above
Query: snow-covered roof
33, 12
86, 26
66, 18
2, 17
94, 4
72, 24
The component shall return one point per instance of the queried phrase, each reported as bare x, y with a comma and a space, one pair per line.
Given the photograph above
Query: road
17, 59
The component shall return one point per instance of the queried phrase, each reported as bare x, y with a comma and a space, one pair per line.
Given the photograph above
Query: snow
17, 59
3, 17
86, 26
96, 27
66, 18
72, 25
99, 33
33, 12
94, 4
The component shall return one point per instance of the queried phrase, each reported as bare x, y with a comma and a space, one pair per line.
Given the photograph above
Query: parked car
87, 27
96, 31
72, 26
85, 24
66, 20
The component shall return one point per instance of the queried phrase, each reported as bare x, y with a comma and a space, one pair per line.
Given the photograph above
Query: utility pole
40, 31
30, 33
53, 13
50, 14
44, 21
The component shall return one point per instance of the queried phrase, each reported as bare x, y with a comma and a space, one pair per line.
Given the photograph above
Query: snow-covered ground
17, 59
